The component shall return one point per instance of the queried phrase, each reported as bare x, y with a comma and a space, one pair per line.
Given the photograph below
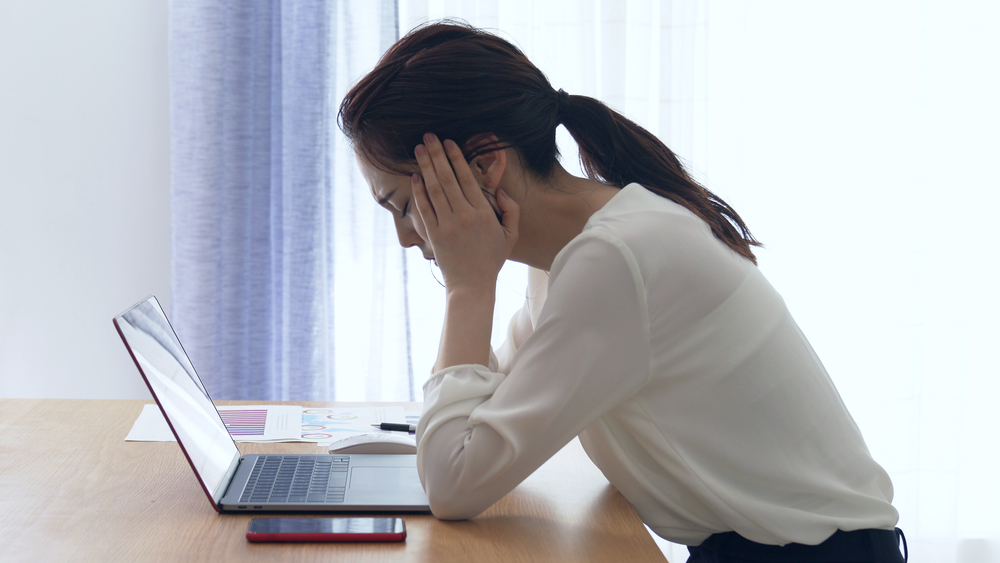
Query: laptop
256, 483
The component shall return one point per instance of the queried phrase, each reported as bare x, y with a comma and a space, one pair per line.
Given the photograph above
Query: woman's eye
405, 207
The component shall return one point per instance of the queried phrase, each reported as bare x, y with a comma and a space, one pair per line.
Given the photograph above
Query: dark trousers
859, 546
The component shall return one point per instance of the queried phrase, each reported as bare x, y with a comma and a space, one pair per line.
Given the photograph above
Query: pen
396, 426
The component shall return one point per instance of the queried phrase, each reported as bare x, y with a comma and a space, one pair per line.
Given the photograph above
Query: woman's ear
487, 167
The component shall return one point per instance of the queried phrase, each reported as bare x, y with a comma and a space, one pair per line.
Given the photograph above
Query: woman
648, 330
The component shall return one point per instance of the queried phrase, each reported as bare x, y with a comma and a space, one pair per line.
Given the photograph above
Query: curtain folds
288, 282
259, 186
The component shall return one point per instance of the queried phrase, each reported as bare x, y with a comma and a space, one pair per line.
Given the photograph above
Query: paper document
150, 427
327, 425
246, 423
278, 423
263, 423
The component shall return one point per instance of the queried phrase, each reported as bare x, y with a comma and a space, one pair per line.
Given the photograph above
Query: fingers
431, 180
466, 181
442, 185
420, 198
446, 173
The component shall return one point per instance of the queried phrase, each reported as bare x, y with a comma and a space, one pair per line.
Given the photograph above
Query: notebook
248, 483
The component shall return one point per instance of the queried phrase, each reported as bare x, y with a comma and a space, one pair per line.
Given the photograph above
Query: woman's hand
469, 245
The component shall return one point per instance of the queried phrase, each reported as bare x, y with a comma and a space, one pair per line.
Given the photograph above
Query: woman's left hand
469, 244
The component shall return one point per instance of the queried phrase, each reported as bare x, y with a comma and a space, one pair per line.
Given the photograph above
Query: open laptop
246, 483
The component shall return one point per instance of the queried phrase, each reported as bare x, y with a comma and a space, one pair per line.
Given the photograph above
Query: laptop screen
180, 393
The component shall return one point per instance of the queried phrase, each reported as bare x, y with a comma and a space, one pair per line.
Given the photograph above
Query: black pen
396, 426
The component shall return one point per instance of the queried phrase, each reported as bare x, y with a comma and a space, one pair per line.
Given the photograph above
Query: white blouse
684, 375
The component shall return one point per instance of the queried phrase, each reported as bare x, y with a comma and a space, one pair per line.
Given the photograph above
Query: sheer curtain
288, 281
282, 272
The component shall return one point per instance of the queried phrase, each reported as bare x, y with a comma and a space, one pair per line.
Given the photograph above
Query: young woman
648, 330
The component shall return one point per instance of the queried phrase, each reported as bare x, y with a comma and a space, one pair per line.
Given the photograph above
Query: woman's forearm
468, 325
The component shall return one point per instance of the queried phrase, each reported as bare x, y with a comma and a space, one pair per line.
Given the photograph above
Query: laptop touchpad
383, 477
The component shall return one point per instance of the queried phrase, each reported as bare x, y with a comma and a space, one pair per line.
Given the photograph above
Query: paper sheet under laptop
276, 423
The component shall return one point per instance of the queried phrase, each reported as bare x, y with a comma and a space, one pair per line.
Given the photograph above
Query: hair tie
563, 97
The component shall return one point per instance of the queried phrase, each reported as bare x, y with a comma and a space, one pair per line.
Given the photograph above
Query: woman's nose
407, 235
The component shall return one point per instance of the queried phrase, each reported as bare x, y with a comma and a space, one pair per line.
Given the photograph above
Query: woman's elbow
453, 507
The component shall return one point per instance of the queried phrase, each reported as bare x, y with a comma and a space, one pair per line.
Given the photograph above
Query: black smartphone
326, 530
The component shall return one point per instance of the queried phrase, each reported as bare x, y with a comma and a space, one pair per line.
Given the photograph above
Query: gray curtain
260, 183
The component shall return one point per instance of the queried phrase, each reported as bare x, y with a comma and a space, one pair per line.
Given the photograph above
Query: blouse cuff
455, 392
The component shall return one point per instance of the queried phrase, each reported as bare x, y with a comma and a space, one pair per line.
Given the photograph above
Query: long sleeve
482, 431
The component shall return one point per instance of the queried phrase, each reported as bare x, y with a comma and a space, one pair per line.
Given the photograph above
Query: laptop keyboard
291, 478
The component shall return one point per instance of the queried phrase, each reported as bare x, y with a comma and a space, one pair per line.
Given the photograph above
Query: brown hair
459, 82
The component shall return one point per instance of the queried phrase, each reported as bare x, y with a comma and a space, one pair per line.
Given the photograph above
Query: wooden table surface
72, 489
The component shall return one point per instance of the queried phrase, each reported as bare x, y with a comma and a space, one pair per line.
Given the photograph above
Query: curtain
276, 251
288, 281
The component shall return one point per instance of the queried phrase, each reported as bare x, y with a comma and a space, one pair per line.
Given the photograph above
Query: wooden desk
72, 489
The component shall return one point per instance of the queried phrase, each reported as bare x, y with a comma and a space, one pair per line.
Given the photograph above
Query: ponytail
617, 151
459, 82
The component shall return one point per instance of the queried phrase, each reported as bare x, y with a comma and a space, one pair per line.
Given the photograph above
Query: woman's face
393, 192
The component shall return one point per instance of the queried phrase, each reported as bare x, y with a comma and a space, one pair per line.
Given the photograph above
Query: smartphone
326, 529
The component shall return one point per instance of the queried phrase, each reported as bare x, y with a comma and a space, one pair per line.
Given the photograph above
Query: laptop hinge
230, 477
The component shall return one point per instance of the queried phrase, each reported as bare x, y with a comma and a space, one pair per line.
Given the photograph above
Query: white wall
84, 190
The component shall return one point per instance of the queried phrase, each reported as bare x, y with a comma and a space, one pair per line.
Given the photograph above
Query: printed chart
327, 425
248, 422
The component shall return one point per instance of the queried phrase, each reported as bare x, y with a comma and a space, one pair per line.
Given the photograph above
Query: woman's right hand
469, 245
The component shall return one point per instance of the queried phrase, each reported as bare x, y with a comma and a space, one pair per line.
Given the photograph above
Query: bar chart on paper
249, 422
